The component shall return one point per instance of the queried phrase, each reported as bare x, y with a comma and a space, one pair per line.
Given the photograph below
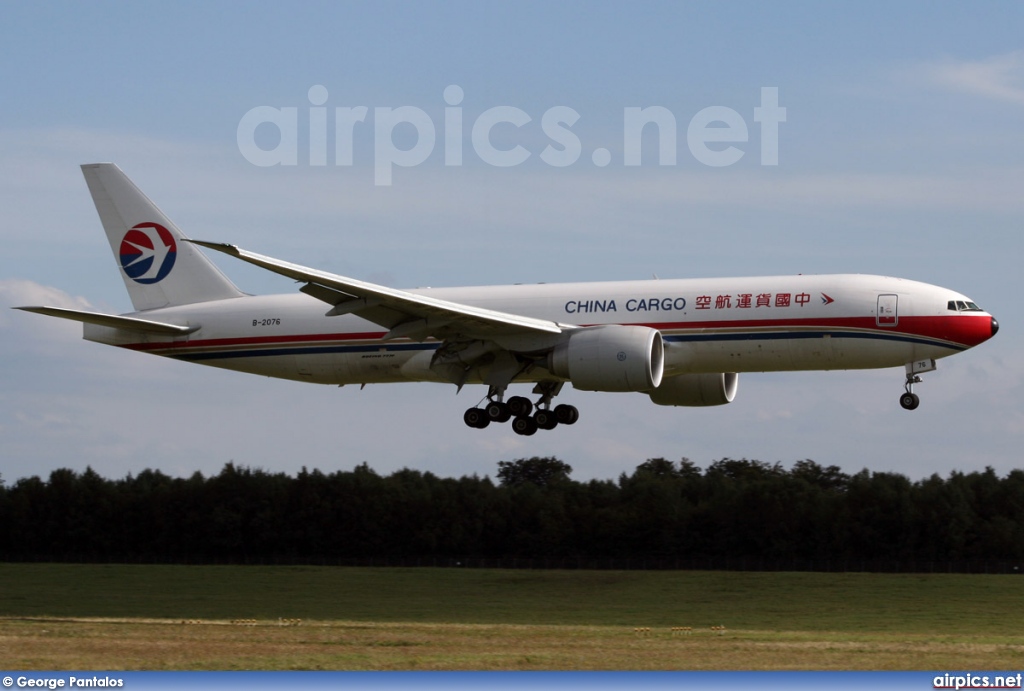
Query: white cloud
16, 291
1000, 77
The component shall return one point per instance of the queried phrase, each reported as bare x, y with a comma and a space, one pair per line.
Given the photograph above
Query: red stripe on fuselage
963, 330
258, 341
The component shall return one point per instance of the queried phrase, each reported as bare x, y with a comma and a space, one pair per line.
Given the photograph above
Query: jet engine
610, 358
697, 389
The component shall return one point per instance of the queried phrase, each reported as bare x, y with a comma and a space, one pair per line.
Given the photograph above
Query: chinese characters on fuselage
678, 304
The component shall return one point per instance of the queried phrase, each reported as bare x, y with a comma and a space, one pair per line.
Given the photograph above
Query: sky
901, 153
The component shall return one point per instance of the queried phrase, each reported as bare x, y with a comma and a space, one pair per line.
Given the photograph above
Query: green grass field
364, 618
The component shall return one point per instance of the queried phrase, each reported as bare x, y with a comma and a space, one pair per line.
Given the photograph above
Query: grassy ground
130, 617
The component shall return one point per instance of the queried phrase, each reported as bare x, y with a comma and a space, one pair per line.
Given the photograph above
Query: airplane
680, 342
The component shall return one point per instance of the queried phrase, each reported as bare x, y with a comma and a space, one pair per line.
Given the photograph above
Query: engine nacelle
610, 358
697, 389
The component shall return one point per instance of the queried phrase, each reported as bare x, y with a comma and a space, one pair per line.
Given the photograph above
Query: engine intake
697, 389
610, 358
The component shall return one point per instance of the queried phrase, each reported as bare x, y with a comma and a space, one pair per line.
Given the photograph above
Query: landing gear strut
527, 417
910, 400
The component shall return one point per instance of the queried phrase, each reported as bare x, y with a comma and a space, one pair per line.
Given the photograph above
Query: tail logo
148, 252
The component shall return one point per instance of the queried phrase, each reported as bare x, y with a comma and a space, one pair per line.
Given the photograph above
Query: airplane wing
404, 314
113, 320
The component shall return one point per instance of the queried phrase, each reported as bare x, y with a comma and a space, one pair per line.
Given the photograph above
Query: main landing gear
910, 400
526, 417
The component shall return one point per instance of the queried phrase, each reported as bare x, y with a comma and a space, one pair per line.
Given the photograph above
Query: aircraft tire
525, 426
476, 418
566, 414
498, 411
520, 406
545, 419
910, 401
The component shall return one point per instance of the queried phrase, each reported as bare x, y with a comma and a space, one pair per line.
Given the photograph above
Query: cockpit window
962, 306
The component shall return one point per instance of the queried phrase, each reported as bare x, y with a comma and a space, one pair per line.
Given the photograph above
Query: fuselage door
886, 315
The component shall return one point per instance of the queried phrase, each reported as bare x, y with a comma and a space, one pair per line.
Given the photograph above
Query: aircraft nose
995, 326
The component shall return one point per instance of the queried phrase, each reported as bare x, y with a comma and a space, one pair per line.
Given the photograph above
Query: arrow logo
826, 300
147, 253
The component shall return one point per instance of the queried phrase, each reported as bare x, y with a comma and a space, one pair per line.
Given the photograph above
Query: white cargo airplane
680, 342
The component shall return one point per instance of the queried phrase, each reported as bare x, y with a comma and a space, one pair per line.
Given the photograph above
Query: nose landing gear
910, 400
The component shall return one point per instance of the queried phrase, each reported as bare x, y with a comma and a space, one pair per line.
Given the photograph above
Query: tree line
663, 509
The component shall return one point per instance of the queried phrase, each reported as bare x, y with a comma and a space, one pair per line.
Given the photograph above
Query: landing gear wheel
545, 419
498, 411
566, 414
520, 406
524, 425
910, 401
476, 417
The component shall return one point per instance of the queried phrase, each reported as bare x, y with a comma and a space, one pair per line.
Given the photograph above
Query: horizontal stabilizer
112, 320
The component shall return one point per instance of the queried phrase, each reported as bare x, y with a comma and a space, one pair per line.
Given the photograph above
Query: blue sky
902, 154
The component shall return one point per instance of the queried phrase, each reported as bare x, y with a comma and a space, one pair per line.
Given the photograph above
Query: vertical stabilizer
158, 268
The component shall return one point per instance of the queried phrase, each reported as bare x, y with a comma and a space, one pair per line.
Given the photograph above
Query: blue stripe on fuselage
906, 338
302, 350
671, 338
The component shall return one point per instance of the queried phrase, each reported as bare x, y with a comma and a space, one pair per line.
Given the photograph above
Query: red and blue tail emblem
148, 252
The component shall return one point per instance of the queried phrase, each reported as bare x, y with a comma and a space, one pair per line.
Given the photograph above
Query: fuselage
749, 324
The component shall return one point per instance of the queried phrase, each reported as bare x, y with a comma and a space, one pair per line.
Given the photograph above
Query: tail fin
159, 270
